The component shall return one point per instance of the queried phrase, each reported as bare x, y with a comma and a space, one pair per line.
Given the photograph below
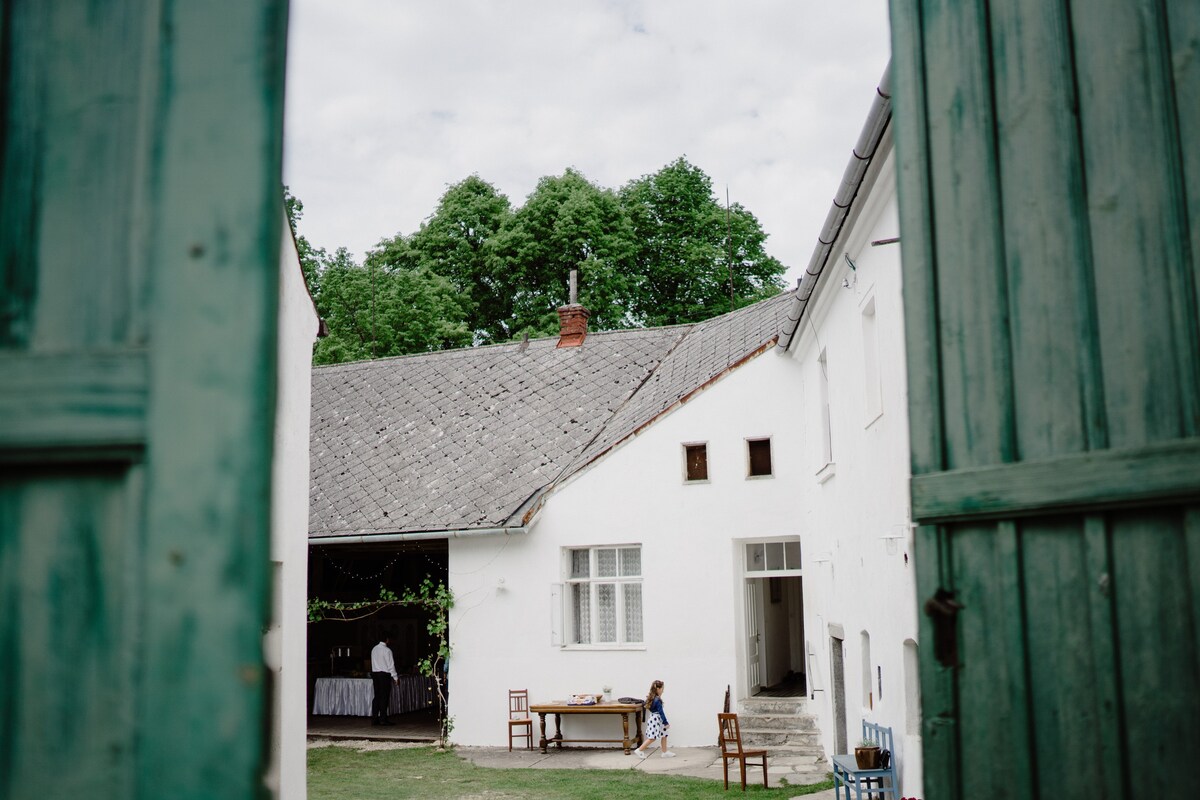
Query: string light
435, 563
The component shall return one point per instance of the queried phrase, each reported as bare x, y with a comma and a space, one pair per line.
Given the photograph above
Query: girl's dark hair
653, 693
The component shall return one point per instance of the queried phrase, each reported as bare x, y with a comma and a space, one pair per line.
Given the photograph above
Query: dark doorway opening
353, 573
783, 660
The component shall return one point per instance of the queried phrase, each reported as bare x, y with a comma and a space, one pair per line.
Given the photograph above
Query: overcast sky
391, 101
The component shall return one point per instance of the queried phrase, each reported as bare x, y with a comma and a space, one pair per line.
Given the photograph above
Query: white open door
754, 635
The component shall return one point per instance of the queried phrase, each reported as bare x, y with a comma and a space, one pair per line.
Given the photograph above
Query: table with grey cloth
352, 696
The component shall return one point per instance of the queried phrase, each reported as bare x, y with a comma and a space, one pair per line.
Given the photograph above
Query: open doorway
775, 649
339, 652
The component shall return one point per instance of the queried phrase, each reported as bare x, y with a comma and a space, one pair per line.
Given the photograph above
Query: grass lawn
338, 773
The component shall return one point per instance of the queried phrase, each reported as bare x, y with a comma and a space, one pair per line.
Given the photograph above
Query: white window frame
826, 419
593, 582
789, 570
770, 453
828, 467
872, 381
683, 448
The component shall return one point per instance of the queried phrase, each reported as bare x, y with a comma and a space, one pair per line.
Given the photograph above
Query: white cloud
390, 101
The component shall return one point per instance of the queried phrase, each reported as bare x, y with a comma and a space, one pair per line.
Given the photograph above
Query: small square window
695, 462
760, 457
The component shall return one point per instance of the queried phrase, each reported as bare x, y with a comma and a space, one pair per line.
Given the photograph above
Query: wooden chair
518, 717
731, 748
724, 710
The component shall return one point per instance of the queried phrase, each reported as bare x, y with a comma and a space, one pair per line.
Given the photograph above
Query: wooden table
558, 709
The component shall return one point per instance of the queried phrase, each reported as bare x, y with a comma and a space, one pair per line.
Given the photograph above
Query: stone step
791, 722
781, 726
799, 758
758, 737
815, 768
772, 705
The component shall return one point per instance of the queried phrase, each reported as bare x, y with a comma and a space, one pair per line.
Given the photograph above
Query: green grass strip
339, 773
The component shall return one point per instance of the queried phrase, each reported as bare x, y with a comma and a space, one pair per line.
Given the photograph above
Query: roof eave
873, 131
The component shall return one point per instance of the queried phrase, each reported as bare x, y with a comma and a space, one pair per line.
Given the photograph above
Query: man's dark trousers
383, 696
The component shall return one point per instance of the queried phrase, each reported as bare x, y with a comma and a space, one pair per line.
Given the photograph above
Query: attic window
695, 463
759, 452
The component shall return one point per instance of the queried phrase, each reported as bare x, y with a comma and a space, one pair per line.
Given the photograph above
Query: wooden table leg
638, 718
543, 719
558, 730
625, 732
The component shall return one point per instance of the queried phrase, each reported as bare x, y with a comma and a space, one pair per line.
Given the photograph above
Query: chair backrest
731, 733
878, 734
518, 703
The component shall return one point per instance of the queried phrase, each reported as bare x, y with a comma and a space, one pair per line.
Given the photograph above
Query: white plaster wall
284, 645
859, 570
692, 591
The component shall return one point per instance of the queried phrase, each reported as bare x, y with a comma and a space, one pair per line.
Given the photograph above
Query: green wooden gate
1049, 177
140, 213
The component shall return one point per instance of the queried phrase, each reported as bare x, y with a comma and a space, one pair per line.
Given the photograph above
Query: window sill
759, 477
693, 483
591, 648
826, 472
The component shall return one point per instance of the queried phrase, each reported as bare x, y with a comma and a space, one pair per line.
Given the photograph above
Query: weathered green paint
139, 222
1135, 475
939, 700
1050, 199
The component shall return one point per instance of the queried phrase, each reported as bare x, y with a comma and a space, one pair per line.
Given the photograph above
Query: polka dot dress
655, 729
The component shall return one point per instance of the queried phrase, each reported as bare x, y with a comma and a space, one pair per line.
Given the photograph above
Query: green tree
659, 252
566, 223
454, 243
683, 247
312, 259
373, 312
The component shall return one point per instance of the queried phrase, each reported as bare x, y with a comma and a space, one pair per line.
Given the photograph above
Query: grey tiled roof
464, 439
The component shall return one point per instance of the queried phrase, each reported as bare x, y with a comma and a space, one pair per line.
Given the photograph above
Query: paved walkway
697, 762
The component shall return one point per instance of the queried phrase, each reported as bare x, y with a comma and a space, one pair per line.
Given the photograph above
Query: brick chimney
572, 320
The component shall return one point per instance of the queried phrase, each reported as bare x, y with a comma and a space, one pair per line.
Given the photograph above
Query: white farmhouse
593, 498
845, 335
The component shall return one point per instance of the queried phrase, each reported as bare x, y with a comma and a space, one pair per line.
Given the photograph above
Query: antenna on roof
729, 244
574, 289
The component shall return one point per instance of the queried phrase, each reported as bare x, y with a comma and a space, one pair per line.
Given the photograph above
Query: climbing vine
435, 599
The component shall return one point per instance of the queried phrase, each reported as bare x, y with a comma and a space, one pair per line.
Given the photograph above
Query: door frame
747, 574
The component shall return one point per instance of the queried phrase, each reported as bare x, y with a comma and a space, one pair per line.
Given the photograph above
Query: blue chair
847, 773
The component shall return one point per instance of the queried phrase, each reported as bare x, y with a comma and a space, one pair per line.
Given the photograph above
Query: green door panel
139, 235
1049, 189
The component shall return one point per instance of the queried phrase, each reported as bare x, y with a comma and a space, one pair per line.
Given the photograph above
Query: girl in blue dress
656, 722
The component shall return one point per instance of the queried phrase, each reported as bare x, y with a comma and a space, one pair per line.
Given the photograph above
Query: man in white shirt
383, 675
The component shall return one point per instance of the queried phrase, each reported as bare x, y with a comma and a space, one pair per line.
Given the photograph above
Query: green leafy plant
434, 598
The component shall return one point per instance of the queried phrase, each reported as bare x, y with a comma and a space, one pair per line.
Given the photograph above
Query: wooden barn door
1050, 193
140, 213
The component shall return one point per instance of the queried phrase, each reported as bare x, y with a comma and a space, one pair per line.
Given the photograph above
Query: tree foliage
688, 249
311, 259
455, 242
567, 223
660, 251
373, 312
